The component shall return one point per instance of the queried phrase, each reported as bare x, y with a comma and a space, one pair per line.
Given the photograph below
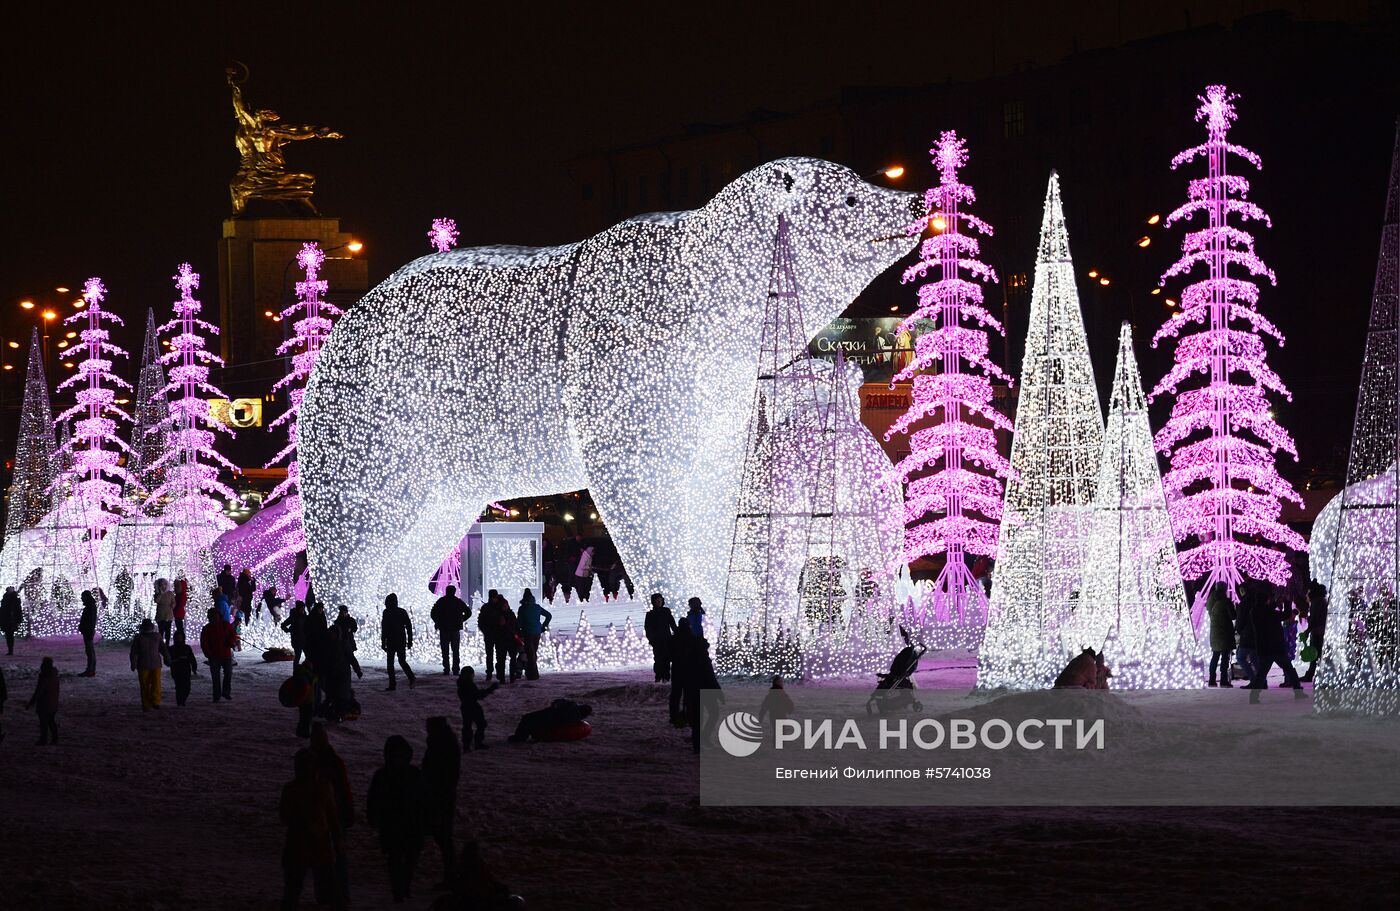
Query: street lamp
893, 172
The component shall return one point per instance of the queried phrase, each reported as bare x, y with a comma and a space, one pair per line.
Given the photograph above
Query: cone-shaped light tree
953, 496
150, 430
31, 494
1356, 539
1224, 491
1133, 605
1055, 454
96, 476
192, 516
313, 322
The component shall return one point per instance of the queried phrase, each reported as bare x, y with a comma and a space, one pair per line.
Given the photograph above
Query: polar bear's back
452, 358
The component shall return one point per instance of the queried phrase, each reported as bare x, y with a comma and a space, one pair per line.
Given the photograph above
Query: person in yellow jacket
148, 656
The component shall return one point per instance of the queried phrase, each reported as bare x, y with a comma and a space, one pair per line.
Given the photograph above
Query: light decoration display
443, 235
1133, 605
810, 564
1223, 489
953, 472
31, 497
1356, 539
94, 503
149, 430
481, 375
192, 517
1055, 456
313, 322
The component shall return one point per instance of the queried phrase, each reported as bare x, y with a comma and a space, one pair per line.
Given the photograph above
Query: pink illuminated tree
1223, 489
95, 476
953, 473
190, 463
443, 234
312, 324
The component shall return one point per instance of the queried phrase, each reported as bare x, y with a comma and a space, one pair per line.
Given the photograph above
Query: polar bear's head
843, 231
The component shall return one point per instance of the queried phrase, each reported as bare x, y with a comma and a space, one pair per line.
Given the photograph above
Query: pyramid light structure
30, 496
1224, 489
1133, 604
1055, 454
148, 431
1356, 538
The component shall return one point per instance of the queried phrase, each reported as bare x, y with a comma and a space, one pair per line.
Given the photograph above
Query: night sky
118, 132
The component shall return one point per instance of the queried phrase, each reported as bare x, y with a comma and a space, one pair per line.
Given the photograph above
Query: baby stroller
894, 691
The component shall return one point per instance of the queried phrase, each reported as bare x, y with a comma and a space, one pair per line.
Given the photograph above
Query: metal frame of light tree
313, 323
1133, 605
1356, 538
95, 503
967, 503
1055, 454
31, 495
191, 517
1224, 488
443, 236
137, 536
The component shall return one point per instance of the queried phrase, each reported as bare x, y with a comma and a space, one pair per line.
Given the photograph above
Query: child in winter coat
777, 704
183, 666
470, 696
45, 701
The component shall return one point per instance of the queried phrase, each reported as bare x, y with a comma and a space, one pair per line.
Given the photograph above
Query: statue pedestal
257, 274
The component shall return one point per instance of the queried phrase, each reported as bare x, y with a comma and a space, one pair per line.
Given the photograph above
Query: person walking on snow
660, 627
148, 656
11, 617
348, 627
183, 666
533, 621
165, 609
396, 638
442, 769
470, 696
182, 600
1222, 633
395, 808
45, 701
314, 834
449, 613
488, 623
295, 626
87, 628
217, 641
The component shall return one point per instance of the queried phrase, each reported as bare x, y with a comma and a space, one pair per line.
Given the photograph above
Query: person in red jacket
182, 600
217, 641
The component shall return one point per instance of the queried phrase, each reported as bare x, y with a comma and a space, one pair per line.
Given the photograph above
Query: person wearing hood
148, 656
394, 807
165, 609
442, 769
44, 702
183, 666
532, 621
331, 768
1222, 633
696, 618
315, 837
182, 601
87, 628
11, 618
396, 638
295, 626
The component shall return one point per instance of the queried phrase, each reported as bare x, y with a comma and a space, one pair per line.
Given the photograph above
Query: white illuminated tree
1055, 455
1356, 539
31, 499
1133, 605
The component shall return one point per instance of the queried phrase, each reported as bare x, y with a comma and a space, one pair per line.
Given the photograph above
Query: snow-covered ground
176, 809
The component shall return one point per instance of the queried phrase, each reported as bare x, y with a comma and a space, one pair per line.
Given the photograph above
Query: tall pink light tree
1223, 489
953, 473
95, 475
313, 322
191, 464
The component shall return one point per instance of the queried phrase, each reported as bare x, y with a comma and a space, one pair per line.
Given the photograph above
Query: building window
1013, 119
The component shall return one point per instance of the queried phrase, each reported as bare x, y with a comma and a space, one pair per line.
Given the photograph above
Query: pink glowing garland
313, 323
1223, 488
954, 510
189, 480
96, 475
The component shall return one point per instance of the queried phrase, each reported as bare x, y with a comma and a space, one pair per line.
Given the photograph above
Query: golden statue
262, 172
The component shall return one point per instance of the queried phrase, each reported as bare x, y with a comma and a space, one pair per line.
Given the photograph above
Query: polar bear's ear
782, 186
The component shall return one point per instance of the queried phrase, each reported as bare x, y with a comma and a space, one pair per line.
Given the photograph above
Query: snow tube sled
295, 691
562, 733
278, 654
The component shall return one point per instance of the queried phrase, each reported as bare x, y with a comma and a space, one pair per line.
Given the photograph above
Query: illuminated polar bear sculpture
625, 364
